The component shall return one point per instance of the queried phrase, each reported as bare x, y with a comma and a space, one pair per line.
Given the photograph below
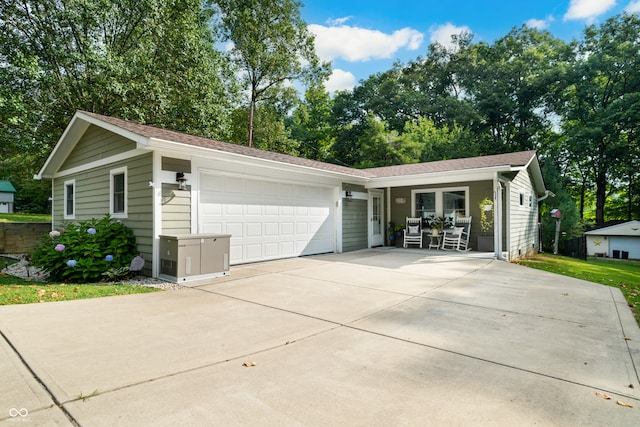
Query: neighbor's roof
6, 187
147, 133
629, 228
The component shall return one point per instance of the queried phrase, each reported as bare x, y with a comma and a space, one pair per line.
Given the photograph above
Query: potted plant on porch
485, 240
437, 223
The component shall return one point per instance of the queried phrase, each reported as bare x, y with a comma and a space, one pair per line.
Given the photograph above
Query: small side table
435, 241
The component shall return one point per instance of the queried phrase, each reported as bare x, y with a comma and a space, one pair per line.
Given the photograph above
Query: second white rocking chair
458, 238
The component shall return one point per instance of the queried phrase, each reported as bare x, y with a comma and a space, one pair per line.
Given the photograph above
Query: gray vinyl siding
176, 210
96, 144
523, 232
354, 225
92, 199
176, 165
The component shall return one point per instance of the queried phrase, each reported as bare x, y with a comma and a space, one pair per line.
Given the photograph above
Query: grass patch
19, 217
14, 290
624, 275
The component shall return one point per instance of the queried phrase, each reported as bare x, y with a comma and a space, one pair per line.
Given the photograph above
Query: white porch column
497, 217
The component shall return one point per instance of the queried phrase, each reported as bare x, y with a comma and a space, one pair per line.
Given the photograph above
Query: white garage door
630, 245
267, 220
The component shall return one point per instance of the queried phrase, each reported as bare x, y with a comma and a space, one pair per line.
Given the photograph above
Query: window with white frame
448, 202
70, 199
118, 193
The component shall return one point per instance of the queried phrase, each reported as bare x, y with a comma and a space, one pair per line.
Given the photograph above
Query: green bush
82, 252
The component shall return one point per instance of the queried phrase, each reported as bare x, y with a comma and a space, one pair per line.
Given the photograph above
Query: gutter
547, 193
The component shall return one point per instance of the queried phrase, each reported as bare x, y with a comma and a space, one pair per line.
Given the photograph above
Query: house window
70, 199
449, 202
118, 193
454, 203
521, 200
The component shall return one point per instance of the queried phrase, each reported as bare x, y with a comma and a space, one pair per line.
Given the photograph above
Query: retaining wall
21, 237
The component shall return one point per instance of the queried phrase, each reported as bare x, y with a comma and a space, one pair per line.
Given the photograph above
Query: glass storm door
376, 216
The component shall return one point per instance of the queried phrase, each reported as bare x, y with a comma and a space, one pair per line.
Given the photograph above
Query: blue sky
365, 37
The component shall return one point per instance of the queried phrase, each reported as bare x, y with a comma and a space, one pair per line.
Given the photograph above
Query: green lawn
624, 275
14, 290
17, 217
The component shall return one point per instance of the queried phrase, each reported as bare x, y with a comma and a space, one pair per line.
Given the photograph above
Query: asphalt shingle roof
509, 159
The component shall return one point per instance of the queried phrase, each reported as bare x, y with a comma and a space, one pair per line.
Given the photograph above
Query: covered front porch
441, 207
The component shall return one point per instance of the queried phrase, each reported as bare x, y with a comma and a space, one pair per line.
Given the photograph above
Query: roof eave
475, 174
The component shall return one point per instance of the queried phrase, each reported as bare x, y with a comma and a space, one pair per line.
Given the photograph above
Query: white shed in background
617, 241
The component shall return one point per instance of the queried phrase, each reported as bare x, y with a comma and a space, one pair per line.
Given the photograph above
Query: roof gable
629, 228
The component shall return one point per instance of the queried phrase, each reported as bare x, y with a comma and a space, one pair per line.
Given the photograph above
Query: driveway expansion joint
40, 382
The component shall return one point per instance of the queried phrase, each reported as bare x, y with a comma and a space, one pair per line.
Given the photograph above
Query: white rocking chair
413, 232
458, 238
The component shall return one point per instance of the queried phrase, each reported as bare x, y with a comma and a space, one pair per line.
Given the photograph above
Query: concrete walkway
371, 338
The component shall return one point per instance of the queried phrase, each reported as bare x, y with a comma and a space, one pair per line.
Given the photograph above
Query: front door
376, 219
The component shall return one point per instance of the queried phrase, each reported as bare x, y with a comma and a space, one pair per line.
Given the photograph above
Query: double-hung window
118, 193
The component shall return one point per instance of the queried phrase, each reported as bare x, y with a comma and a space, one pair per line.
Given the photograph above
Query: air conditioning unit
189, 257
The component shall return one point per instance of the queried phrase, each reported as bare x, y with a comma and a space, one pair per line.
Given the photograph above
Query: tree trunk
582, 197
601, 196
251, 109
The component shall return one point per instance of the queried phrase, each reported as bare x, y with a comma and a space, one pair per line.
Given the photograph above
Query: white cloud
340, 80
540, 24
442, 34
633, 7
360, 44
587, 9
338, 21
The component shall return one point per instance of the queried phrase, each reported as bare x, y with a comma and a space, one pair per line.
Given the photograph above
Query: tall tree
603, 103
271, 46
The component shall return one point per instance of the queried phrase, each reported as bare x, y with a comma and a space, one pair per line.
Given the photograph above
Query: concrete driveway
371, 338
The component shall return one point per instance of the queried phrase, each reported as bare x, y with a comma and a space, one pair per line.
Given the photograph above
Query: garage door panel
267, 220
272, 249
271, 229
235, 229
213, 228
253, 229
233, 210
287, 228
254, 210
253, 251
271, 210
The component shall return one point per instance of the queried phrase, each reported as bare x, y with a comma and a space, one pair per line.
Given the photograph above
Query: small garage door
267, 219
629, 245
